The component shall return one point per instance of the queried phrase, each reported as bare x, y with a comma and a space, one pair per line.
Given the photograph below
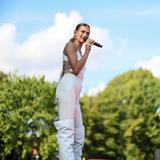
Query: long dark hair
76, 29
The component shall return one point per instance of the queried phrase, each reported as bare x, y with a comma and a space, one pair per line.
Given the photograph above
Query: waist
69, 83
71, 76
79, 76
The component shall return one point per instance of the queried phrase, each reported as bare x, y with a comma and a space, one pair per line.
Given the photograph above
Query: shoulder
69, 47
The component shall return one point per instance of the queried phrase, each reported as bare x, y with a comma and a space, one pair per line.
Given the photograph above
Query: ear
74, 31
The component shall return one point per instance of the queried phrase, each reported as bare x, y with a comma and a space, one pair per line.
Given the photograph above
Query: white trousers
70, 129
67, 94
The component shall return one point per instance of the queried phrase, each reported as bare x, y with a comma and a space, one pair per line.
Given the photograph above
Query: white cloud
93, 91
98, 56
40, 53
153, 65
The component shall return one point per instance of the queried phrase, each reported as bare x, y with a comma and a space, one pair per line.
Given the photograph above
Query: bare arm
76, 64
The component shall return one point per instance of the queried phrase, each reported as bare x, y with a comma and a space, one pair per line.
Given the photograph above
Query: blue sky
128, 30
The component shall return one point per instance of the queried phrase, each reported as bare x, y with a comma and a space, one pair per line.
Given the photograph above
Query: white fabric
78, 142
65, 138
81, 73
65, 58
67, 95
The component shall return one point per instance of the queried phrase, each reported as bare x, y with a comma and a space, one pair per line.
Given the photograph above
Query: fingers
90, 42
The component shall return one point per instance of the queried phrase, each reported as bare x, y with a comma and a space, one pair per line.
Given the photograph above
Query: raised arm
70, 51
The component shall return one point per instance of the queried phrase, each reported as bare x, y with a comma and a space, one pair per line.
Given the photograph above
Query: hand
88, 44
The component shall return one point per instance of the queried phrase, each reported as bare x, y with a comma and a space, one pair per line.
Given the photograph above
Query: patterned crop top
67, 67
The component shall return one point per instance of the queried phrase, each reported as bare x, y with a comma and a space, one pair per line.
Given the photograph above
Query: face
82, 32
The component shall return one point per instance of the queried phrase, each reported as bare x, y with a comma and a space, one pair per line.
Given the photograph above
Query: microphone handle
97, 44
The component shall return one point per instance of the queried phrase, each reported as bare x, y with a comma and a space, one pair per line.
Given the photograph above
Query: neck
78, 45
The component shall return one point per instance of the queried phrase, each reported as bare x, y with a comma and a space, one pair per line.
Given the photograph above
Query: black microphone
94, 43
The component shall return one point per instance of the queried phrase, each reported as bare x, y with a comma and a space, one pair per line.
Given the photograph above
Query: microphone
95, 43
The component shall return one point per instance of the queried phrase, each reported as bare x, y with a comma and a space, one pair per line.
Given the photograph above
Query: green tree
122, 121
2, 76
27, 110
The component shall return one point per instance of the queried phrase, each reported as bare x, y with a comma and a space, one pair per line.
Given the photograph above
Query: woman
70, 129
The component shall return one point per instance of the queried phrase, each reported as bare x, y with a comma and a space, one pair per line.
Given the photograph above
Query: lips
85, 38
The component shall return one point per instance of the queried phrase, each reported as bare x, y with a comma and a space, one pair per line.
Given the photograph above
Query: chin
82, 41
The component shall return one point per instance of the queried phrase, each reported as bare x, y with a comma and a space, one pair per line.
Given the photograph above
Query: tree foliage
27, 110
122, 121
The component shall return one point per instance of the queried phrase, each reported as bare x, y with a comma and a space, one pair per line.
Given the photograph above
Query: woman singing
70, 129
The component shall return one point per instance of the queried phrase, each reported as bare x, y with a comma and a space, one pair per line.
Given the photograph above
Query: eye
87, 33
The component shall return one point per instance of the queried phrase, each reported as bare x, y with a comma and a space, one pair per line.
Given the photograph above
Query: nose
85, 34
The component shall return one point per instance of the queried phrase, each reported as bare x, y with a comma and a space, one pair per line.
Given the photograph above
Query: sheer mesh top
67, 67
